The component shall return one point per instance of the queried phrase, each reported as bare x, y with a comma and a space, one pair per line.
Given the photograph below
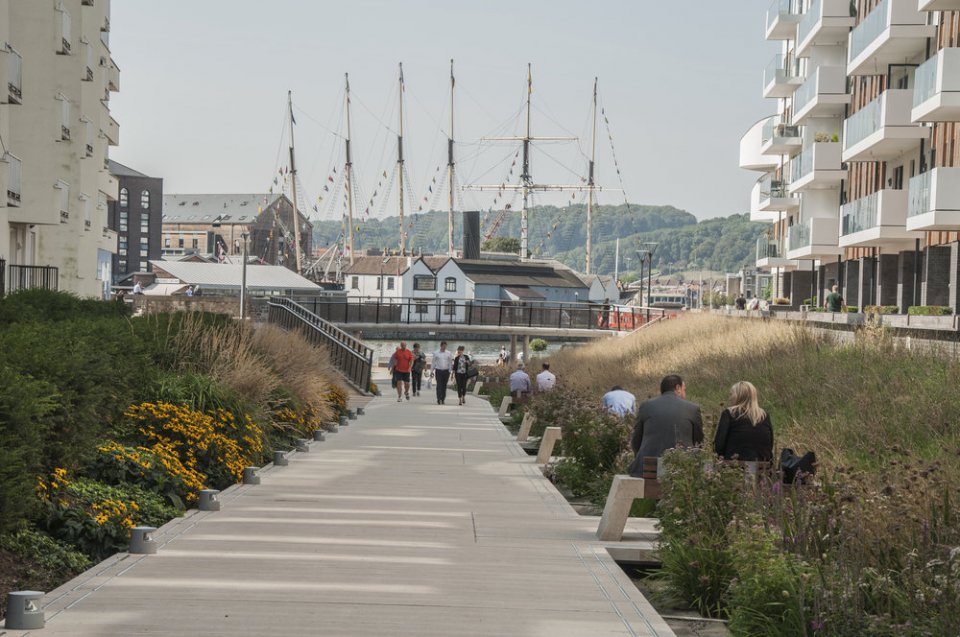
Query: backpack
796, 469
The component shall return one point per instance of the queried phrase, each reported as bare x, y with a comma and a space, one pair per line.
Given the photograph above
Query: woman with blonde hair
744, 432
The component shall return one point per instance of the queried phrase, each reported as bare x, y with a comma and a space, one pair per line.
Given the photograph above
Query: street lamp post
651, 247
243, 279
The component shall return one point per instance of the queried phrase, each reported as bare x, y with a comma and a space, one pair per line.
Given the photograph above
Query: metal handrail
348, 354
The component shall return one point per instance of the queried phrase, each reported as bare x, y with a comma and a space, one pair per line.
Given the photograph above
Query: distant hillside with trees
683, 243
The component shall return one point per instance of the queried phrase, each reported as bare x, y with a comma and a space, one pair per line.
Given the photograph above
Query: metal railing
767, 249
860, 215
26, 277
919, 189
798, 236
347, 354
479, 312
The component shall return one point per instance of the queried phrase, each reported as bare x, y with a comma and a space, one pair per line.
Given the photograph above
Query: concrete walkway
417, 519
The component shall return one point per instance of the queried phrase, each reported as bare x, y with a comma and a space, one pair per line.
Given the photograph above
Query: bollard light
351, 414
209, 500
23, 611
318, 436
344, 421
250, 476
280, 460
141, 540
303, 446
359, 411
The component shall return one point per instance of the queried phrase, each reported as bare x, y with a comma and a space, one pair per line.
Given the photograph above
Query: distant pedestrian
402, 370
740, 302
120, 295
520, 358
519, 385
754, 304
744, 431
189, 291
665, 422
605, 313
502, 357
392, 368
546, 380
137, 288
619, 401
834, 302
461, 367
442, 364
416, 370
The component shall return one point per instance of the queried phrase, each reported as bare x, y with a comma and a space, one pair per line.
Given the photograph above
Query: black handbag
472, 370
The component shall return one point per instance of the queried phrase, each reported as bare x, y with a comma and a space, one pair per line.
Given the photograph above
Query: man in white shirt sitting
519, 385
546, 380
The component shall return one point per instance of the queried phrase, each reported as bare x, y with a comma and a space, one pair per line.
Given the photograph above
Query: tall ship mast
450, 166
348, 173
293, 183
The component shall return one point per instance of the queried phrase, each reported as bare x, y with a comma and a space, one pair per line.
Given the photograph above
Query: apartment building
56, 76
136, 218
858, 162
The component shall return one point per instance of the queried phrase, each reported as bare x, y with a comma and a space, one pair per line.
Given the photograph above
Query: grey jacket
663, 423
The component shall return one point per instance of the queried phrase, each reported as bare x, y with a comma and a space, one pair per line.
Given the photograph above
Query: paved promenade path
417, 519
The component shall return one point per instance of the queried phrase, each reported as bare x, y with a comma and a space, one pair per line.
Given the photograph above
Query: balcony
935, 200
878, 220
936, 96
774, 195
823, 94
13, 68
883, 129
113, 76
756, 198
13, 179
111, 129
813, 238
817, 166
826, 22
782, 76
893, 33
770, 255
782, 19
939, 5
780, 139
750, 144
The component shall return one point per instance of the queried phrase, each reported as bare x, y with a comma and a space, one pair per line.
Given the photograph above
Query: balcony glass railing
925, 80
767, 249
807, 91
798, 236
869, 29
802, 164
811, 17
13, 179
14, 75
773, 129
780, 69
859, 215
863, 123
919, 194
780, 8
773, 188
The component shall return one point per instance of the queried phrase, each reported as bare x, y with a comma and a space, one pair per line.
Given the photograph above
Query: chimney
471, 234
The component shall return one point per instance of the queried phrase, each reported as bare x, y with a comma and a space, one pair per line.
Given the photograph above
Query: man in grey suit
664, 423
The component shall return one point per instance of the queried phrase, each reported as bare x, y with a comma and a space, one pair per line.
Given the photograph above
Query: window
123, 222
424, 282
450, 284
123, 242
14, 76
166, 242
86, 203
379, 282
144, 224
88, 133
122, 252
87, 52
422, 307
196, 244
143, 242
390, 282
449, 308
64, 25
124, 197
145, 199
63, 191
180, 242
354, 283
122, 265
143, 266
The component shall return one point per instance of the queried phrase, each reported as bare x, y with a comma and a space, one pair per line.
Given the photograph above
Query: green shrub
881, 309
56, 557
37, 305
929, 310
118, 465
538, 345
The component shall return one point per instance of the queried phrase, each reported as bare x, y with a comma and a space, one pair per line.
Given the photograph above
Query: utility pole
450, 183
293, 182
403, 231
590, 183
348, 169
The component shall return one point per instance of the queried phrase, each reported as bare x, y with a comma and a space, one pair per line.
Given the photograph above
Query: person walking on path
744, 432
402, 371
619, 401
392, 368
519, 385
740, 303
441, 364
416, 371
546, 380
834, 302
665, 422
461, 365
502, 357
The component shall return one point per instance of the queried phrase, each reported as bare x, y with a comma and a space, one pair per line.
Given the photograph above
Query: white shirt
620, 402
546, 380
442, 360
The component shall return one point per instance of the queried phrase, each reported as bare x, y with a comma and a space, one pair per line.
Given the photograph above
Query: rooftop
204, 209
229, 275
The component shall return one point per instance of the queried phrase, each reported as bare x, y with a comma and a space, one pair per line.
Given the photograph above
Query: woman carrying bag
462, 372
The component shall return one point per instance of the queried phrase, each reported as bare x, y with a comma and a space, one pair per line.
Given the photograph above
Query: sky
203, 96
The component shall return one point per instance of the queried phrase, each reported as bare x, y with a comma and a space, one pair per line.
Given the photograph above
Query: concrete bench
550, 437
524, 433
623, 491
505, 404
476, 387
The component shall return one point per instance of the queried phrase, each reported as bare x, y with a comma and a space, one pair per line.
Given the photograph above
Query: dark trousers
443, 377
461, 384
417, 380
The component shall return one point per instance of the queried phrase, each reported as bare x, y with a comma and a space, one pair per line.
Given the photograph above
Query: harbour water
482, 351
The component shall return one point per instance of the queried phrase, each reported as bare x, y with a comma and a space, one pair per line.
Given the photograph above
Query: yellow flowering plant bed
156, 468
337, 398
205, 449
95, 517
